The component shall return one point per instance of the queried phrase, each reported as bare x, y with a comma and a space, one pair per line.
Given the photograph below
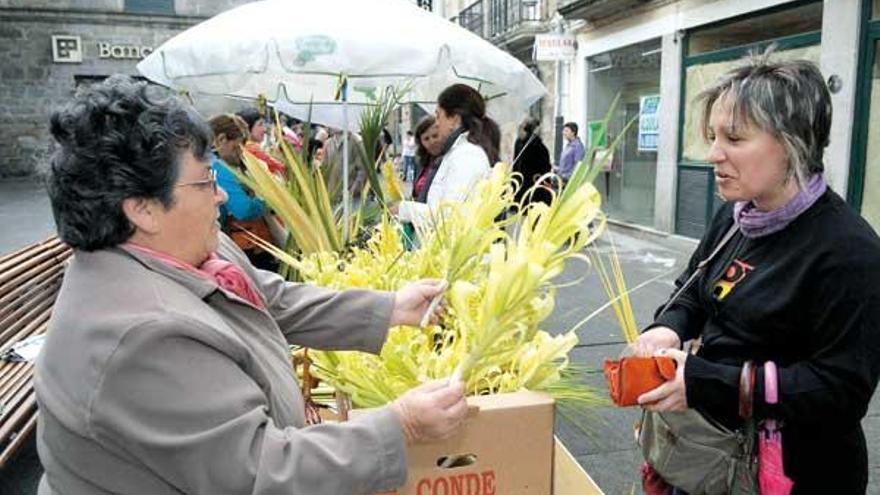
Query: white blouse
463, 166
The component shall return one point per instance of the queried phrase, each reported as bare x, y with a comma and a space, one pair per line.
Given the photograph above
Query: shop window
712, 51
701, 76
81, 81
871, 187
875, 9
86, 80
633, 72
164, 7
755, 28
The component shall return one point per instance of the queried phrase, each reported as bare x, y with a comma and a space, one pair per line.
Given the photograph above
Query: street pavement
25, 214
603, 444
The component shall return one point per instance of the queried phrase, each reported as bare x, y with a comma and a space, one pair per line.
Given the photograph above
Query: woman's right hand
432, 411
655, 339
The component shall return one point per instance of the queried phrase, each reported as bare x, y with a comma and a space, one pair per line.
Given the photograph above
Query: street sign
553, 47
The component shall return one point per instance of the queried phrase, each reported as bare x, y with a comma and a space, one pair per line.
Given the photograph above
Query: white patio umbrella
296, 52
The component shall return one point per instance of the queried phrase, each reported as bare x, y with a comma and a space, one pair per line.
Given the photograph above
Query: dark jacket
533, 163
806, 297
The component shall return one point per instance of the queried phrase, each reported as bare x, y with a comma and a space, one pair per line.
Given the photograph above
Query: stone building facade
50, 47
658, 55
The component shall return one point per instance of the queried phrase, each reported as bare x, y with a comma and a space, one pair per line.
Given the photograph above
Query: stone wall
97, 5
205, 8
32, 85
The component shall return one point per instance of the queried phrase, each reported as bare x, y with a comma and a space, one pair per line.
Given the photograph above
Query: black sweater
808, 298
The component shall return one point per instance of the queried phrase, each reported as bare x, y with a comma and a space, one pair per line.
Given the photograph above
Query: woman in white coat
471, 147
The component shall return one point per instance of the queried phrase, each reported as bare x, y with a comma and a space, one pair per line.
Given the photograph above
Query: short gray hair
790, 100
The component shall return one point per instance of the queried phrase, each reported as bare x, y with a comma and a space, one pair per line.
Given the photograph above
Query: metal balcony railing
505, 15
560, 4
596, 10
471, 18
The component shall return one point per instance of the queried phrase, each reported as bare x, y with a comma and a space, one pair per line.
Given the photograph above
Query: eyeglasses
212, 180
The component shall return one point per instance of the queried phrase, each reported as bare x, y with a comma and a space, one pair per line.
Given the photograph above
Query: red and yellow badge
735, 274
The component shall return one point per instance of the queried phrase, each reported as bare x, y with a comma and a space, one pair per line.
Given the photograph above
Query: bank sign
131, 52
69, 49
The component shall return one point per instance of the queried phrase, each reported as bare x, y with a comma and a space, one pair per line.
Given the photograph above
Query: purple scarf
754, 223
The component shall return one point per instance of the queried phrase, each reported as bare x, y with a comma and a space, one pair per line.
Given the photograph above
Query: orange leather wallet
630, 377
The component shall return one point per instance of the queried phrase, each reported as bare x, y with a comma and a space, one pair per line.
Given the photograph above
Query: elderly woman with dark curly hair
790, 299
166, 368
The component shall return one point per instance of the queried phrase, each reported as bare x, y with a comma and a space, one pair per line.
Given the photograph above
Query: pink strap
771, 383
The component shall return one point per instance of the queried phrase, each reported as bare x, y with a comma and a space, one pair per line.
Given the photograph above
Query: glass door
630, 76
864, 184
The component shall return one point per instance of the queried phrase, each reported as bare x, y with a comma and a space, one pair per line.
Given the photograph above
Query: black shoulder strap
700, 266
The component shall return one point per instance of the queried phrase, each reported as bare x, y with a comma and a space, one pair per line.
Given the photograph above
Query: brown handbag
630, 377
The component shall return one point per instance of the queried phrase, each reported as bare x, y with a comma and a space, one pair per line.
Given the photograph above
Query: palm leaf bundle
302, 201
372, 122
501, 272
501, 290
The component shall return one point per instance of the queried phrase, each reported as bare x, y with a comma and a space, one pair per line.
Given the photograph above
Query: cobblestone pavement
25, 214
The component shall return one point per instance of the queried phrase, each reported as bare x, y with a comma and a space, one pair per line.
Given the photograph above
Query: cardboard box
569, 478
505, 447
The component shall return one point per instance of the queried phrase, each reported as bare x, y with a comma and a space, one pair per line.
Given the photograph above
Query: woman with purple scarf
798, 283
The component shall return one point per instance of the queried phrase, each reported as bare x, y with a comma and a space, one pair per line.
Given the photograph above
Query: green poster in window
597, 134
649, 122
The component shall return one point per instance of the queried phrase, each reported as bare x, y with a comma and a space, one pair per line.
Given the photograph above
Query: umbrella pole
345, 188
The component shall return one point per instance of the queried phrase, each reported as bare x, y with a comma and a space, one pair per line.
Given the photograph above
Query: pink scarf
227, 275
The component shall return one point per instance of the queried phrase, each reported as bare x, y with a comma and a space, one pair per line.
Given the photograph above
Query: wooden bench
29, 282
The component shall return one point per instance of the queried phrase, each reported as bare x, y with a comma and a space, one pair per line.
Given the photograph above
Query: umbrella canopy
295, 51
